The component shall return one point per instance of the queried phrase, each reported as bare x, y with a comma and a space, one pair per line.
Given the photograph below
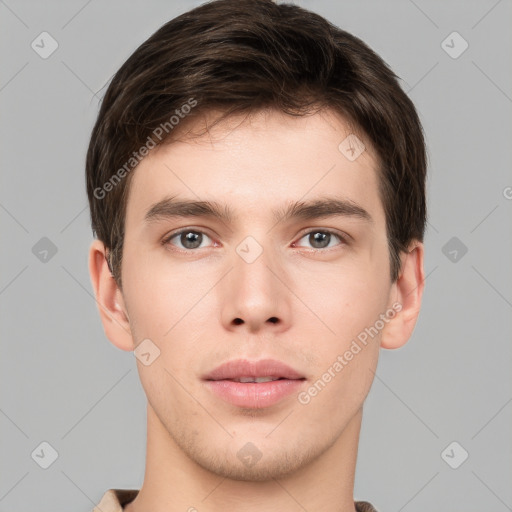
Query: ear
406, 291
109, 298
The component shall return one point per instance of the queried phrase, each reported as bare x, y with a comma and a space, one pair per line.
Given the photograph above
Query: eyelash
167, 239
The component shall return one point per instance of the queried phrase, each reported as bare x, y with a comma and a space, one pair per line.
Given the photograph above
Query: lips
254, 384
264, 370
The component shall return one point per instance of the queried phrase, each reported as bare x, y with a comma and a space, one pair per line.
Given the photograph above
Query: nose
254, 293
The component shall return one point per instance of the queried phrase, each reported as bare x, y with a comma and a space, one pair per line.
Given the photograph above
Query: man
256, 179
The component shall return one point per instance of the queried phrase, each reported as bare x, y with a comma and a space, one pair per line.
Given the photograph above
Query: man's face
255, 288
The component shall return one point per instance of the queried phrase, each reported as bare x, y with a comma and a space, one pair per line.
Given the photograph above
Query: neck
173, 482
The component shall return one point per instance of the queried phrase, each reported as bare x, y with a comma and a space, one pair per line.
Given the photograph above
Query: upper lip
238, 368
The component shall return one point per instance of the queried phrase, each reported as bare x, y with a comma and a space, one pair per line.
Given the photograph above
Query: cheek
167, 397
345, 360
337, 394
160, 293
341, 333
341, 301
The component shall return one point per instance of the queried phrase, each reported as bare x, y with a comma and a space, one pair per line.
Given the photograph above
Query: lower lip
254, 395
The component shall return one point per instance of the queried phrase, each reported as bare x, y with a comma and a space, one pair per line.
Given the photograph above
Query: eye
188, 238
322, 238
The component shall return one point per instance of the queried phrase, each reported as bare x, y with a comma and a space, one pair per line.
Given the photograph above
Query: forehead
257, 164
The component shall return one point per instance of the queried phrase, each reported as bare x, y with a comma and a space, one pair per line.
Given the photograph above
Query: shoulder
364, 506
114, 499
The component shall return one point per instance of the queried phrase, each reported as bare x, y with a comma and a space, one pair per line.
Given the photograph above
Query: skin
186, 303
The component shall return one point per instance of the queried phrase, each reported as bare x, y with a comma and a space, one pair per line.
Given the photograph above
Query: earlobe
408, 292
109, 298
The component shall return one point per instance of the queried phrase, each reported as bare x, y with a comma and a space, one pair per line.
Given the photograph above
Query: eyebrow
322, 207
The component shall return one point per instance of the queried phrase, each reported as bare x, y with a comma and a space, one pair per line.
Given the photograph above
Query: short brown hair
241, 56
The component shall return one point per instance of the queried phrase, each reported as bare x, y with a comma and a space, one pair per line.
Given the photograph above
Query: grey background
62, 381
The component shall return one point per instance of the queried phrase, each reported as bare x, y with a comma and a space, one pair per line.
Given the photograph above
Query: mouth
254, 385
244, 370
254, 379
